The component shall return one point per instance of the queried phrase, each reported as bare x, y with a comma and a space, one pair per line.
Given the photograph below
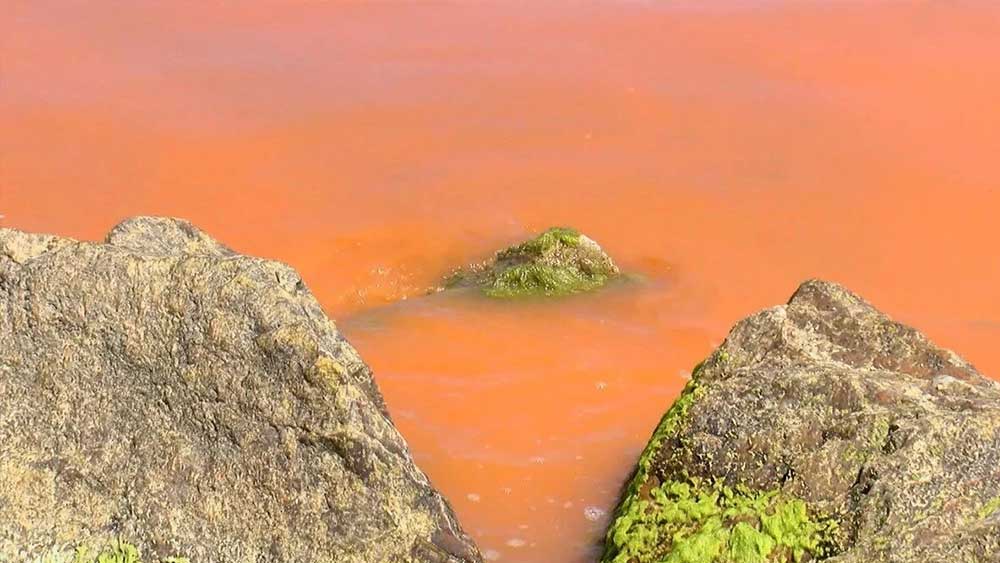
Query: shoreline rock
162, 390
820, 430
560, 261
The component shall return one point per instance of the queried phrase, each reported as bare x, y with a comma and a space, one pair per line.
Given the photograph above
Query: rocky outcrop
820, 430
161, 394
559, 261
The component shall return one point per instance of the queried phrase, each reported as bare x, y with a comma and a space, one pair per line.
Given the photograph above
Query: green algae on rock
820, 430
692, 520
560, 261
194, 401
700, 522
115, 551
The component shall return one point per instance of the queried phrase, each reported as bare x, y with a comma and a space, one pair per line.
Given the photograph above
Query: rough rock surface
162, 389
559, 261
820, 430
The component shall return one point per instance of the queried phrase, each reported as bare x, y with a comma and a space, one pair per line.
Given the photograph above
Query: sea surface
721, 151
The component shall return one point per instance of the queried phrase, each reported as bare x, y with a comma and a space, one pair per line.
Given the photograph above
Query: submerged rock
163, 395
559, 261
820, 430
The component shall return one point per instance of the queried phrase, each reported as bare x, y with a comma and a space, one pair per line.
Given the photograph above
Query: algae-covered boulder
559, 261
820, 430
163, 396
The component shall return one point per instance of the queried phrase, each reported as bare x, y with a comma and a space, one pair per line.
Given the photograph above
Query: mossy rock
558, 262
820, 430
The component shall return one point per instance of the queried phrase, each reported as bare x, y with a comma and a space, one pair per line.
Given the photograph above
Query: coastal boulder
820, 430
560, 261
164, 397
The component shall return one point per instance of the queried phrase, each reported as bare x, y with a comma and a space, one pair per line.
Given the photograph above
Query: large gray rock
163, 390
820, 430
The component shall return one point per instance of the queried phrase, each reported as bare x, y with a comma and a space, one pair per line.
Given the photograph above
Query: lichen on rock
114, 551
161, 388
820, 430
559, 261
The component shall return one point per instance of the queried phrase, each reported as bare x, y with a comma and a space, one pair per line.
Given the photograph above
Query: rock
559, 261
163, 395
820, 430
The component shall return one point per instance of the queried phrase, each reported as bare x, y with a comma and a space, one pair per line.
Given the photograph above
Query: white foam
593, 513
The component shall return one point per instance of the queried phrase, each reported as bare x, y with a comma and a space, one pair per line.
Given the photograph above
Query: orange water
725, 152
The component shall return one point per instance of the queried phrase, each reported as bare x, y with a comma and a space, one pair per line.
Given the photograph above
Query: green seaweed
621, 531
668, 426
557, 262
551, 264
748, 544
693, 520
551, 239
700, 521
542, 279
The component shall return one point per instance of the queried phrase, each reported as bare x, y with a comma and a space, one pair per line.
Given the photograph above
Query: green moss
696, 521
552, 264
542, 279
748, 544
669, 425
548, 241
880, 434
559, 261
990, 507
622, 531
691, 520
116, 551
